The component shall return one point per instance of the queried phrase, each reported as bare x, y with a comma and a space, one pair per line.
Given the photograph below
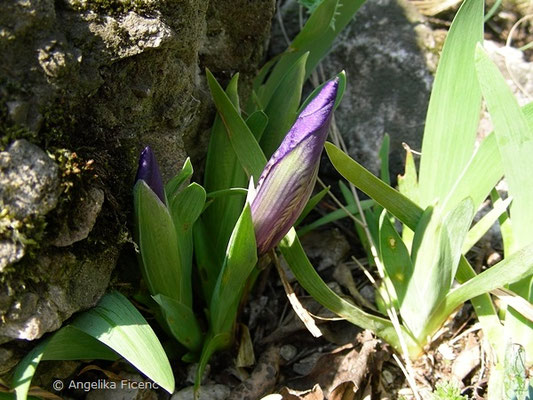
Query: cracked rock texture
84, 86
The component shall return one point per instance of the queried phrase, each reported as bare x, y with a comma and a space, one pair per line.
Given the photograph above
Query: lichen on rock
29, 189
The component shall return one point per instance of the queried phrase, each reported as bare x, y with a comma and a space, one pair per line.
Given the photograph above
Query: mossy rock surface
86, 84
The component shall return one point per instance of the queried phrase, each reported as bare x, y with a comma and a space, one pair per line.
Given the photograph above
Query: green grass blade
70, 343
113, 326
453, 112
283, 106
316, 37
346, 193
511, 269
172, 187
397, 204
207, 263
185, 208
480, 175
335, 216
408, 182
66, 344
241, 257
257, 122
408, 186
483, 306
221, 161
244, 144
436, 253
485, 223
515, 142
26, 369
409, 214
117, 324
506, 229
212, 345
307, 276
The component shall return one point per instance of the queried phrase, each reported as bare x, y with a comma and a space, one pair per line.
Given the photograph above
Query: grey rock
388, 54
7, 360
49, 371
29, 188
29, 182
517, 72
389, 81
192, 370
82, 219
10, 252
369, 293
288, 352
325, 248
206, 392
69, 283
306, 365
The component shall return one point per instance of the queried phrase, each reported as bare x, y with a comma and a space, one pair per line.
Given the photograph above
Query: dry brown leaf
245, 355
344, 391
302, 313
468, 359
262, 379
344, 277
109, 374
520, 304
354, 365
314, 394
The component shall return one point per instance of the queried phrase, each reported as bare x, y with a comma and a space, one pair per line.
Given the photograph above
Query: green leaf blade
282, 108
161, 262
306, 275
395, 257
182, 322
451, 125
113, 326
242, 139
397, 204
222, 171
117, 324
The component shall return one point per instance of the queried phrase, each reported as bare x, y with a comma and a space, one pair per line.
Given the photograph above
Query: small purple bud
148, 171
288, 179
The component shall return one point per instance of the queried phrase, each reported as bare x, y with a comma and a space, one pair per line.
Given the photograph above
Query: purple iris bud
288, 179
148, 171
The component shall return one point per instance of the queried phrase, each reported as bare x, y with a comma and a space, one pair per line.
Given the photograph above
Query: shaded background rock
518, 74
388, 53
87, 84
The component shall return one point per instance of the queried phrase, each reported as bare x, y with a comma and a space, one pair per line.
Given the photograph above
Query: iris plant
166, 216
